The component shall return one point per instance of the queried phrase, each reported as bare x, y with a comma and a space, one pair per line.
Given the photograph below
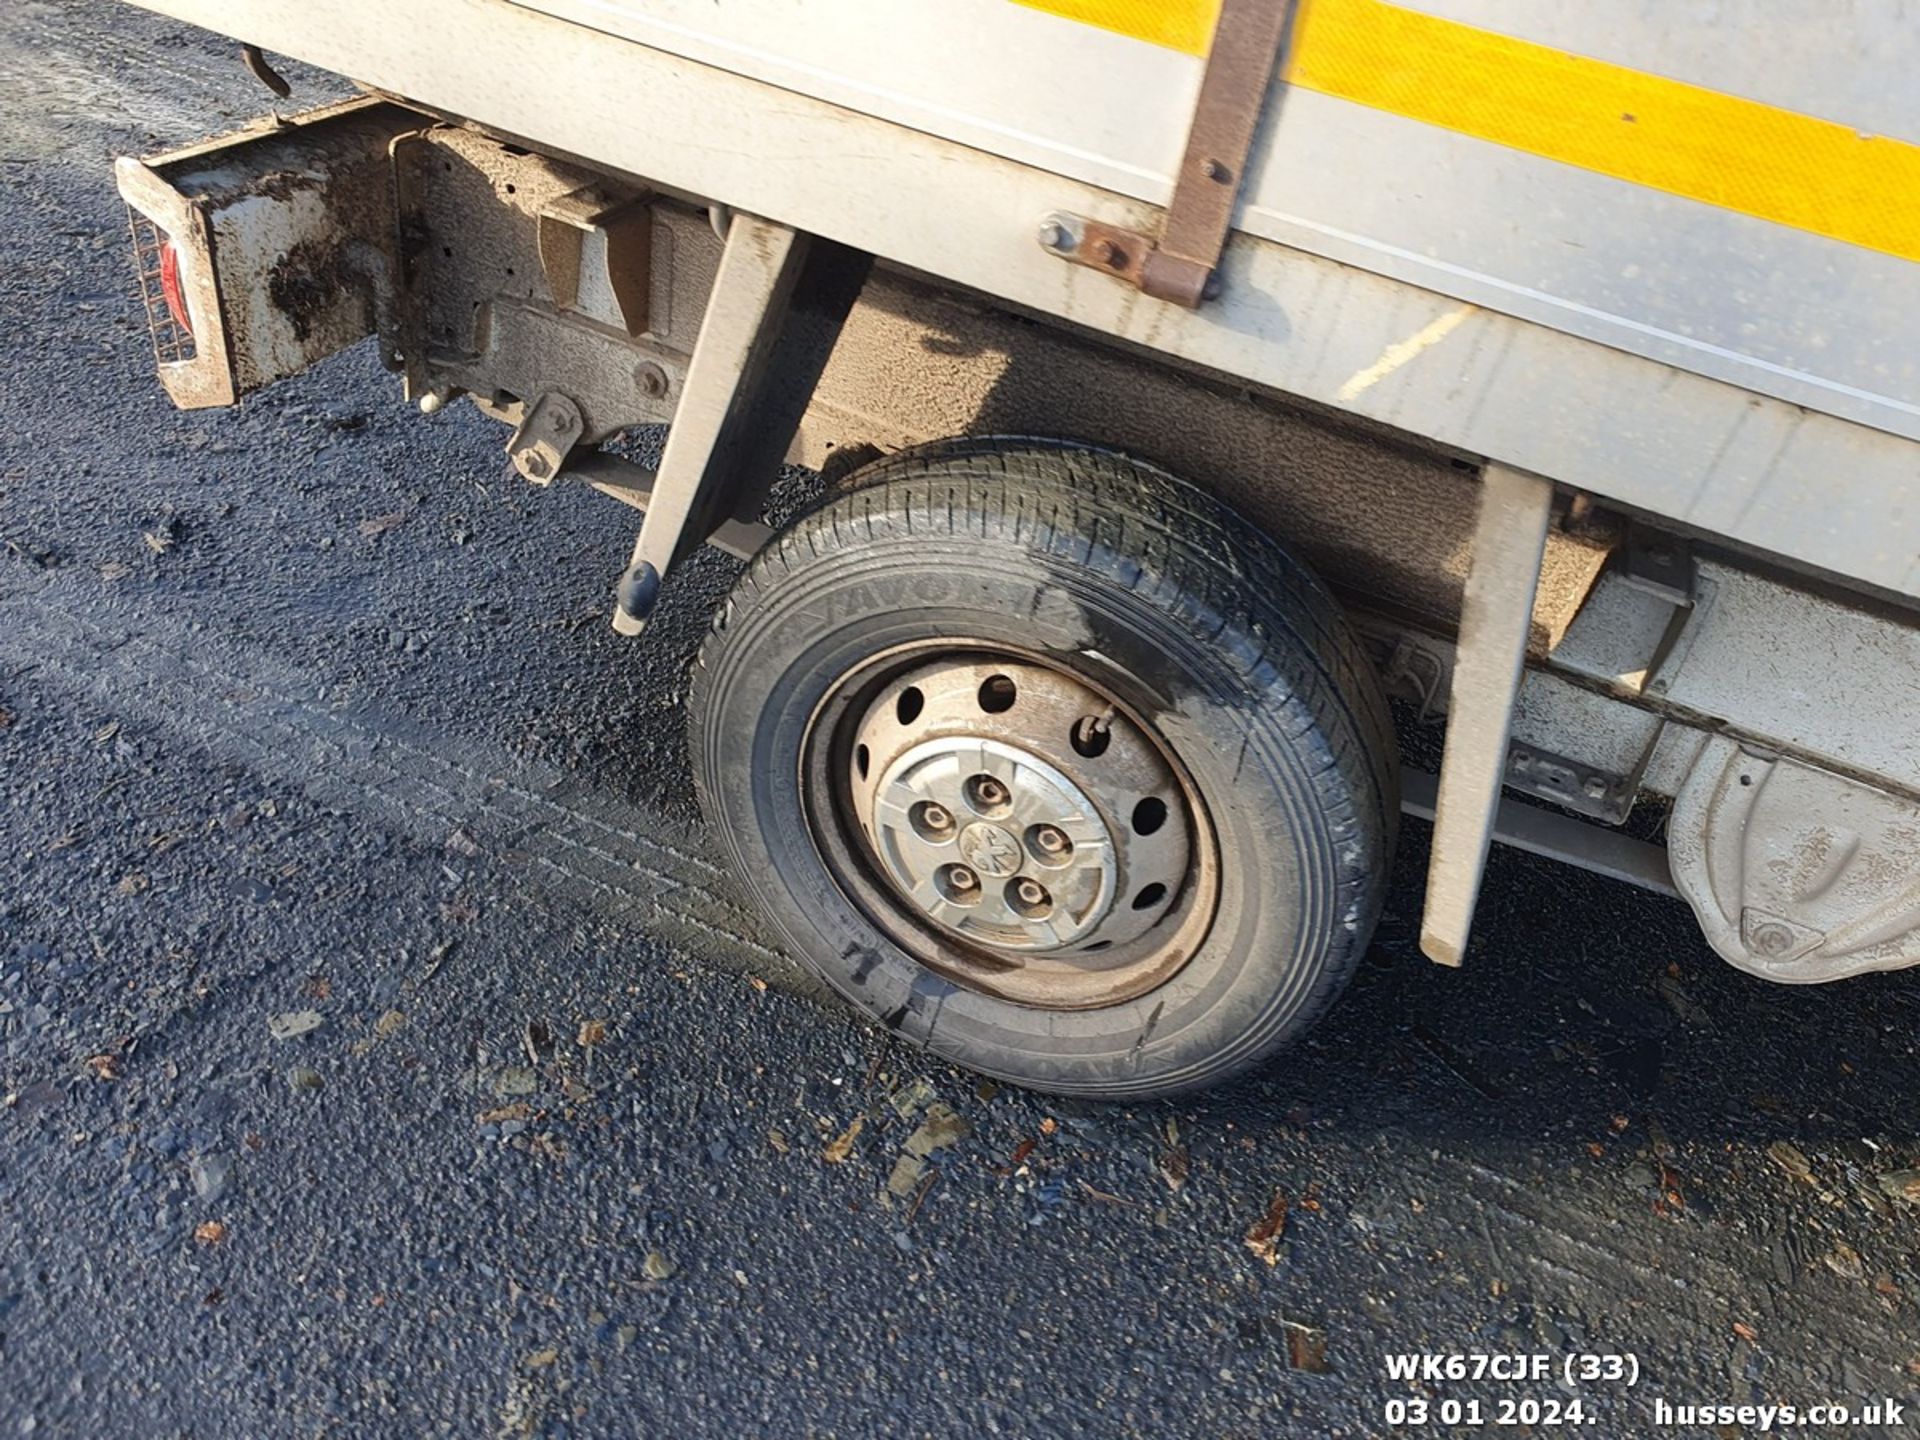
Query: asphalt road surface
310, 711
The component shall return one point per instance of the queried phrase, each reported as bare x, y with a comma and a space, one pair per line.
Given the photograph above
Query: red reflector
170, 286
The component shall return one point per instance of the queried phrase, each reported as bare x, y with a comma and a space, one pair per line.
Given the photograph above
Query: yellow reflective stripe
1177, 24
1738, 154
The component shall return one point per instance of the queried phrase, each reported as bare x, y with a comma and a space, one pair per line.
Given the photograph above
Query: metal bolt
1214, 170
651, 379
535, 465
961, 878
1595, 786
1772, 939
1055, 236
936, 816
1030, 893
986, 792
1050, 840
559, 419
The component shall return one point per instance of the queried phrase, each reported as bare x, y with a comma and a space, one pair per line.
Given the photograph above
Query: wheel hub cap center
990, 850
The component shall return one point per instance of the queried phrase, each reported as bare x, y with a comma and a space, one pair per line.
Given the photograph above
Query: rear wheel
1052, 764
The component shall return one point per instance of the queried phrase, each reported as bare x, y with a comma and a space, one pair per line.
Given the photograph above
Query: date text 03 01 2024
1504, 1367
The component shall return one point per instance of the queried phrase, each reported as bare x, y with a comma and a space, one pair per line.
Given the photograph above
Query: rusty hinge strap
1233, 92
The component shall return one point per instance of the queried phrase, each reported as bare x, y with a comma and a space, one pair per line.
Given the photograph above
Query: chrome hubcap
1012, 805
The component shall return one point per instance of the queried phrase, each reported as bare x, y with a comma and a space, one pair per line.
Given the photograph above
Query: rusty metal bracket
1179, 265
624, 230
549, 429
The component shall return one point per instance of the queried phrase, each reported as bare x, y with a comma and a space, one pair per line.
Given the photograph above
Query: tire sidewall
1267, 962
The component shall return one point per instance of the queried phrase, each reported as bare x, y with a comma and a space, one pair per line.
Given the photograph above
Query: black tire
1174, 605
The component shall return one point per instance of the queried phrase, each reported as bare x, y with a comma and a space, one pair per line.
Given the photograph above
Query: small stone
294, 1023
658, 1267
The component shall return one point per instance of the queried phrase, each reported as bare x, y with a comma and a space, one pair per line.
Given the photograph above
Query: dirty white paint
1402, 352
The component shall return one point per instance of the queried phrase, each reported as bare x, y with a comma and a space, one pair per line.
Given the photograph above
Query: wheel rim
1015, 828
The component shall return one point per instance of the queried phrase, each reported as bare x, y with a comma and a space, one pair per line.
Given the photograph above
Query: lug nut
986, 792
961, 878
1050, 840
1030, 892
936, 817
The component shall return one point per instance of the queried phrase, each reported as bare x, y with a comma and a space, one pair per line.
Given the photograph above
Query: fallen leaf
515, 1080
1596, 1149
942, 1127
132, 884
292, 1024
906, 1175
104, 1067
210, 1232
1174, 1165
1845, 1261
592, 1032
540, 1359
1264, 1235
658, 1266
1102, 1197
1746, 1332
1048, 1125
158, 544
838, 1151
1306, 1348
909, 1100
778, 1141
920, 1195
1790, 1159
500, 1115
1901, 1185
7, 718
388, 1023
319, 988
1021, 1152
1618, 1124
381, 524
536, 1040
756, 982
